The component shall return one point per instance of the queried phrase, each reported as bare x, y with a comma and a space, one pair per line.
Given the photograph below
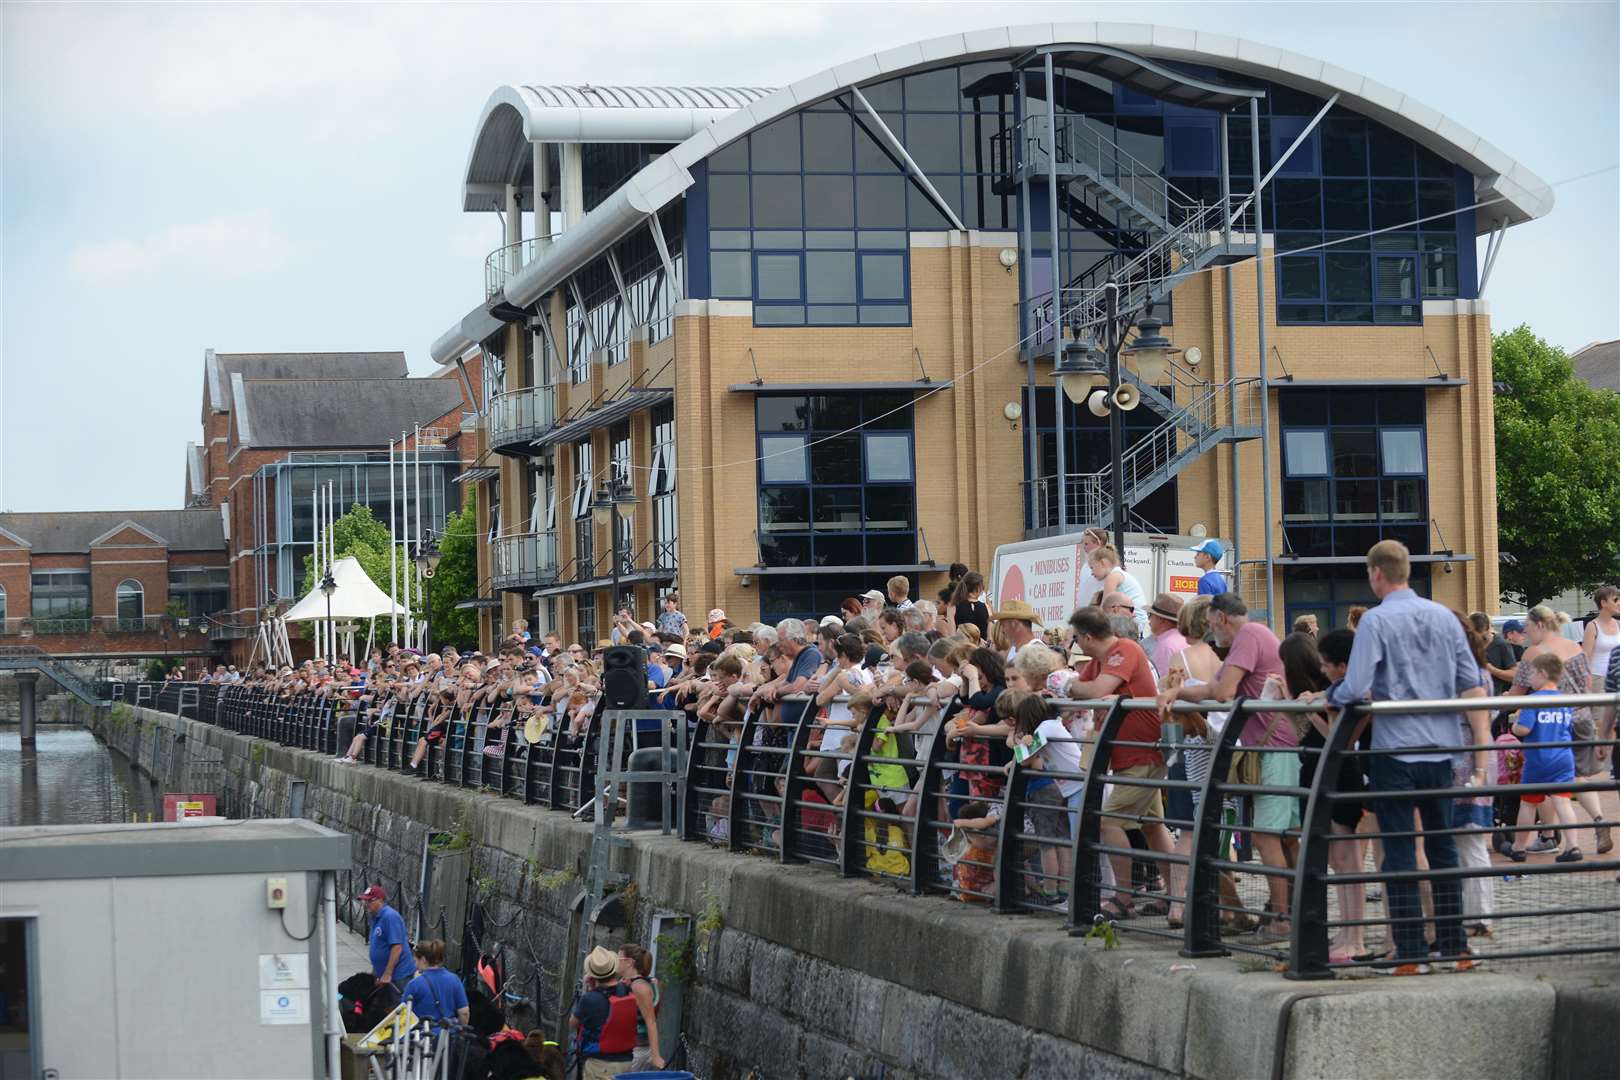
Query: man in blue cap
1206, 556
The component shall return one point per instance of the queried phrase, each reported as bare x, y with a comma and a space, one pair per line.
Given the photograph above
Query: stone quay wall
794, 972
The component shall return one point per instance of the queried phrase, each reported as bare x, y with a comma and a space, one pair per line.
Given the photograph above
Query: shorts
1179, 801
1537, 800
1129, 799
1277, 811
1048, 813
434, 733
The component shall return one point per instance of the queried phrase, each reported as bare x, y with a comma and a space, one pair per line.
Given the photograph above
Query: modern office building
277, 427
812, 331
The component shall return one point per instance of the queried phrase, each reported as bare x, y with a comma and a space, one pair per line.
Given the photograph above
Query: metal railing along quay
952, 815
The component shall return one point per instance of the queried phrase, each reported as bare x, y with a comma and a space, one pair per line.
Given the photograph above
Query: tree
1557, 471
360, 534
457, 578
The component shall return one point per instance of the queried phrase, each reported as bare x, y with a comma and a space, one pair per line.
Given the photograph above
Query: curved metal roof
647, 97
516, 116
1519, 195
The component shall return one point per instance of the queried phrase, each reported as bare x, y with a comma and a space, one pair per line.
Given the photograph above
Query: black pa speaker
624, 677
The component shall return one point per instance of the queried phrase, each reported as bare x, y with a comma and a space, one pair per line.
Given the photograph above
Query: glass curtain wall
356, 478
808, 216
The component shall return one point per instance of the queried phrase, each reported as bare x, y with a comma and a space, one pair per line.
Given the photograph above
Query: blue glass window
1354, 470
839, 490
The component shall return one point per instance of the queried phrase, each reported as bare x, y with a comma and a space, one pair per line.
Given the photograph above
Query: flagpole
417, 482
405, 533
393, 569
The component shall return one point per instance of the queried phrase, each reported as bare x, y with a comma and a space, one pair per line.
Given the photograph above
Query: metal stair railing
1141, 188
1146, 277
1167, 449
1156, 458
1152, 275
31, 657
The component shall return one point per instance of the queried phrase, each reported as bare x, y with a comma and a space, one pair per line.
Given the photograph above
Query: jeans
1400, 853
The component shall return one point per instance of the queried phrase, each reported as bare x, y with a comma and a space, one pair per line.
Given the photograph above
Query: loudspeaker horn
1127, 397
1097, 402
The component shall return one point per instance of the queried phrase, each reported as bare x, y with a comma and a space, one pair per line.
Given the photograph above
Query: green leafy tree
1557, 471
457, 578
360, 534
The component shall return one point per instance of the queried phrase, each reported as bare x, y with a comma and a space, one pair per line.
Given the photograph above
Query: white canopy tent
354, 598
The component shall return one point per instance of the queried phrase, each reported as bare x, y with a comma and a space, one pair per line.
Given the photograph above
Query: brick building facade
277, 426
114, 584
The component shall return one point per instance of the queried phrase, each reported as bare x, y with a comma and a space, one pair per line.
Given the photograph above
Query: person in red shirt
1119, 666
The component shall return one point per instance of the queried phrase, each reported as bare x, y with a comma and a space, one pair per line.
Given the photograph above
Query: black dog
364, 1002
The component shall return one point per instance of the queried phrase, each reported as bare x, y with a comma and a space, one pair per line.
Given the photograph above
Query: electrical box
275, 890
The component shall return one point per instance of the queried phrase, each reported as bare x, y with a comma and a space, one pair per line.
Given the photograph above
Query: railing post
734, 813
924, 838
690, 815
1308, 944
1202, 914
553, 798
794, 785
1085, 885
850, 849
1009, 852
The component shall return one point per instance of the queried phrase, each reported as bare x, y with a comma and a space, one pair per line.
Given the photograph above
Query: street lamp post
427, 561
328, 587
1079, 374
605, 510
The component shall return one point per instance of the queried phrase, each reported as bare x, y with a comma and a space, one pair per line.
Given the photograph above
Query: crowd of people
996, 686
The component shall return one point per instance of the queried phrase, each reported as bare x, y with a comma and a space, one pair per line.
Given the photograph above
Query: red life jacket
618, 1034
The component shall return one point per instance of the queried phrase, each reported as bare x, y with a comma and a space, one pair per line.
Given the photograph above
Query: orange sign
1184, 584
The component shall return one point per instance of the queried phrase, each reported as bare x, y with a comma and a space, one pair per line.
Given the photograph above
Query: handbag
1245, 767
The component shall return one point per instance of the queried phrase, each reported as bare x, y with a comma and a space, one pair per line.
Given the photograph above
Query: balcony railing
517, 417
167, 625
138, 624
506, 261
523, 560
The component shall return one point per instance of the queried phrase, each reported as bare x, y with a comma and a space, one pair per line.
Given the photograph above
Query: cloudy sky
283, 177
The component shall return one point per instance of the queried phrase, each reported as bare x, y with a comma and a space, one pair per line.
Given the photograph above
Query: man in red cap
391, 959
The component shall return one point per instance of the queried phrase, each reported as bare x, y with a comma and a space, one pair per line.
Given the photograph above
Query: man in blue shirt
1407, 649
391, 959
1206, 556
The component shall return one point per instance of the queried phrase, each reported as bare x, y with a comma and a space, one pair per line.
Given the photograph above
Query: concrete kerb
1212, 1019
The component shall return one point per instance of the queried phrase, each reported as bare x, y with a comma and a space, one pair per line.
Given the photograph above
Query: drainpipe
329, 979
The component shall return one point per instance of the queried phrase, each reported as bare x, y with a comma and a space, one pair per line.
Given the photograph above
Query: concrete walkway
351, 952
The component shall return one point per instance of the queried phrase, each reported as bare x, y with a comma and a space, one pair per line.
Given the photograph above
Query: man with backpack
603, 1020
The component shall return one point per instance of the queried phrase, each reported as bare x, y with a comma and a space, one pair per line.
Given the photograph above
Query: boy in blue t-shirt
1549, 765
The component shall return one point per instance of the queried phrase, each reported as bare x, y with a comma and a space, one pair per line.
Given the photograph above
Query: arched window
131, 601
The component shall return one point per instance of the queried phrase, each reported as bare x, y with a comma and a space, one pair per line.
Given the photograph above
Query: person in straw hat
1017, 622
603, 1020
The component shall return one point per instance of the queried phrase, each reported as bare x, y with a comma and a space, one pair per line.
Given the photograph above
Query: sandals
1152, 907
1237, 925
1116, 911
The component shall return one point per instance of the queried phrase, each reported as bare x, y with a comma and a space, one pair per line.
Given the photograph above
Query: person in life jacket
635, 970
603, 1020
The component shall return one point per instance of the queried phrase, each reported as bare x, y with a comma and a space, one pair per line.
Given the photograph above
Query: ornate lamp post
427, 561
